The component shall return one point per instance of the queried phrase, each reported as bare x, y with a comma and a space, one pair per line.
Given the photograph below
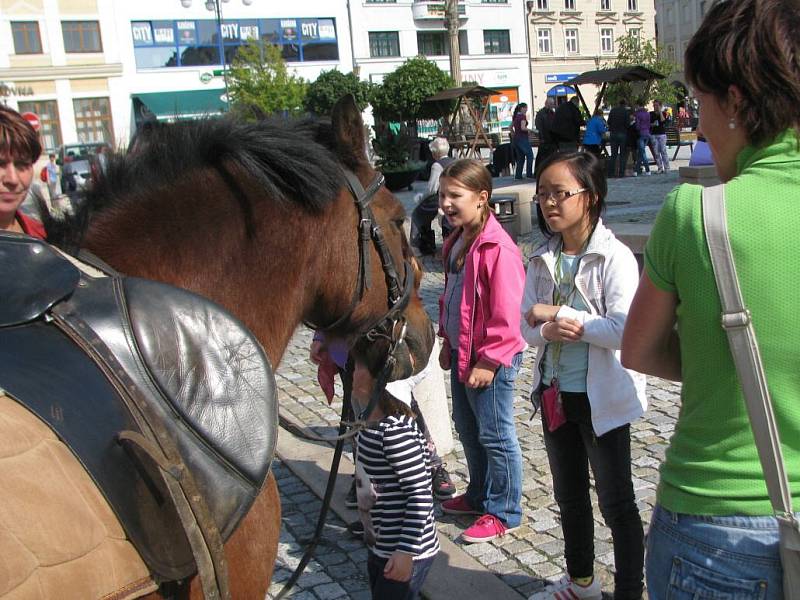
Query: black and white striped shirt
395, 457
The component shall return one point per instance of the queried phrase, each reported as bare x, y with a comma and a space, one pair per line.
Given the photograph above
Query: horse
260, 217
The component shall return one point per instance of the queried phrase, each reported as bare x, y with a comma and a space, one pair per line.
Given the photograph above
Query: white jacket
606, 280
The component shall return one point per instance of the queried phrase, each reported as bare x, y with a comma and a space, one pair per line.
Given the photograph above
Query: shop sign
206, 77
559, 77
12, 90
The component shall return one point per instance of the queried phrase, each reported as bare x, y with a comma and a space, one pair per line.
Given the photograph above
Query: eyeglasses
556, 197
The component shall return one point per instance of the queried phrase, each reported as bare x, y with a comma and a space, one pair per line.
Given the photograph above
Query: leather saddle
148, 385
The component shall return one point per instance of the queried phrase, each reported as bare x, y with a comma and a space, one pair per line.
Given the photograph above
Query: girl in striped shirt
394, 497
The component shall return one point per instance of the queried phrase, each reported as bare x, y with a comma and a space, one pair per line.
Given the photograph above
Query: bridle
392, 325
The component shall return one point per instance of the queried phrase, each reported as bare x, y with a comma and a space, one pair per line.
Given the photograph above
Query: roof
615, 75
470, 91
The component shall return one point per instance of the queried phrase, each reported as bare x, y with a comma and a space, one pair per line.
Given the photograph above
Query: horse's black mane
292, 160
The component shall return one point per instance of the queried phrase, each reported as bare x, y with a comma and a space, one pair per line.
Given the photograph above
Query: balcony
425, 10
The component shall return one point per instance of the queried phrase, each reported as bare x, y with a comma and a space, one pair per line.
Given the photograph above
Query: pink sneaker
458, 506
485, 529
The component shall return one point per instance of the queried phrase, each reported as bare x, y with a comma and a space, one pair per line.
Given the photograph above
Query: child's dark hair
589, 172
390, 405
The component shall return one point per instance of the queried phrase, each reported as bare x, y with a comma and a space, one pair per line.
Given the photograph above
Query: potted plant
394, 153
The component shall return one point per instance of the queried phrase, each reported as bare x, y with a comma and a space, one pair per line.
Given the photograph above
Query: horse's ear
348, 130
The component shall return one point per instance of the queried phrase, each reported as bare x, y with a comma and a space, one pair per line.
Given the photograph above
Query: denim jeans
712, 557
619, 154
388, 589
660, 151
523, 152
484, 420
641, 155
571, 449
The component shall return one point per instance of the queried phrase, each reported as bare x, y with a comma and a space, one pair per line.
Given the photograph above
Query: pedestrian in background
713, 530
596, 128
422, 236
482, 347
544, 127
618, 121
578, 289
658, 133
521, 140
642, 117
567, 125
52, 177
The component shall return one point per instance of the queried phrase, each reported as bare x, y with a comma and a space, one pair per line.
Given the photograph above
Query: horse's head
390, 315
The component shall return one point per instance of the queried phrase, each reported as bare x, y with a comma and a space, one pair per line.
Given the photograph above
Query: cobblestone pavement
527, 558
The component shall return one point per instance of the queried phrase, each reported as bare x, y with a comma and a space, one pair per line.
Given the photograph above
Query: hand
541, 313
482, 375
445, 354
317, 352
563, 330
399, 566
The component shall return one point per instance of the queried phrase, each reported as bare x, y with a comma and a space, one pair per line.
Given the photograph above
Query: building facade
92, 70
677, 21
568, 37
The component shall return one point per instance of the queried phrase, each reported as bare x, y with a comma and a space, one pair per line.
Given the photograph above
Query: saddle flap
211, 369
33, 277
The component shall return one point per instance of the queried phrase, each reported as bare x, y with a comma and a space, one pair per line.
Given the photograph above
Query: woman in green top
712, 534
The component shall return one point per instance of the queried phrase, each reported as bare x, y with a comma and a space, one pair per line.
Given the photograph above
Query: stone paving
527, 558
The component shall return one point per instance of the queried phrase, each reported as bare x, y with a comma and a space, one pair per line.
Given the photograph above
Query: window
605, 4
607, 40
496, 41
542, 5
633, 5
686, 12
81, 36
384, 43
436, 43
671, 52
26, 37
49, 125
635, 32
545, 43
569, 4
93, 120
571, 41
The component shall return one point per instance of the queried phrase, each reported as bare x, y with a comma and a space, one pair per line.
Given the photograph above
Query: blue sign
561, 90
558, 77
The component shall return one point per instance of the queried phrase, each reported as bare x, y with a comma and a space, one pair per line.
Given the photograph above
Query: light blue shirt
574, 359
453, 292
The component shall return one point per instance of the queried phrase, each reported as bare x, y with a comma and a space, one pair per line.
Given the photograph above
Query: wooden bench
674, 138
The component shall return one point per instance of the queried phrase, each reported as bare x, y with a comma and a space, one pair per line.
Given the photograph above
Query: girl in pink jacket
479, 320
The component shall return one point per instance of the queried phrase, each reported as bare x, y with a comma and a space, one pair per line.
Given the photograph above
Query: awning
191, 104
616, 75
561, 90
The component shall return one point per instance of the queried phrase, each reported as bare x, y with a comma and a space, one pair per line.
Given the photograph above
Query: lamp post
213, 5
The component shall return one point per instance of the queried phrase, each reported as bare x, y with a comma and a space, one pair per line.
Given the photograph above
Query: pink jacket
494, 280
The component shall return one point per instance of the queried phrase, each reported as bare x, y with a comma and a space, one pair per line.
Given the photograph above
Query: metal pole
451, 21
218, 15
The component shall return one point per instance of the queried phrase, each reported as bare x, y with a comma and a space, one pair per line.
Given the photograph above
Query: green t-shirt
711, 465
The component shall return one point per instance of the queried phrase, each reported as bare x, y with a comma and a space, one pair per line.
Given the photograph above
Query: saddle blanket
58, 536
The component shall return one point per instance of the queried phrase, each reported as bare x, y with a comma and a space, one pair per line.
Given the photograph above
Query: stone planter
400, 180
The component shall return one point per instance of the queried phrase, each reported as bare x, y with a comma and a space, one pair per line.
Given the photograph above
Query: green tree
401, 95
258, 79
330, 86
634, 51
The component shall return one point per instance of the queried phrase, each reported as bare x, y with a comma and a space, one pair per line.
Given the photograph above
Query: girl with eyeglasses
479, 324
579, 286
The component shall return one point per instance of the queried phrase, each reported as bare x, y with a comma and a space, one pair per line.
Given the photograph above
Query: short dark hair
589, 172
17, 137
752, 44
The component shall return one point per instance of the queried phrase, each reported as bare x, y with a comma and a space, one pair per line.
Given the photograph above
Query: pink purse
552, 407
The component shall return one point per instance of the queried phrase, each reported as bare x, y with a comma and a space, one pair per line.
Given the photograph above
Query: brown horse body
273, 262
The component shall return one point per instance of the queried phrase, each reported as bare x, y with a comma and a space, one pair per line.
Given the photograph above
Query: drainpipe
528, 50
356, 68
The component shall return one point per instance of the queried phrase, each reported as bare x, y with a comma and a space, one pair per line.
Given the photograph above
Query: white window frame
569, 4
542, 5
637, 31
605, 5
633, 5
610, 39
548, 38
571, 42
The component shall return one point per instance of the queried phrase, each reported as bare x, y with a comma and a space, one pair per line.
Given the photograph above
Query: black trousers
422, 216
571, 449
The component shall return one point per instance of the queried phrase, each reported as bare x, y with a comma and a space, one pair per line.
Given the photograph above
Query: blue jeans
484, 420
570, 450
388, 589
712, 557
641, 156
523, 152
